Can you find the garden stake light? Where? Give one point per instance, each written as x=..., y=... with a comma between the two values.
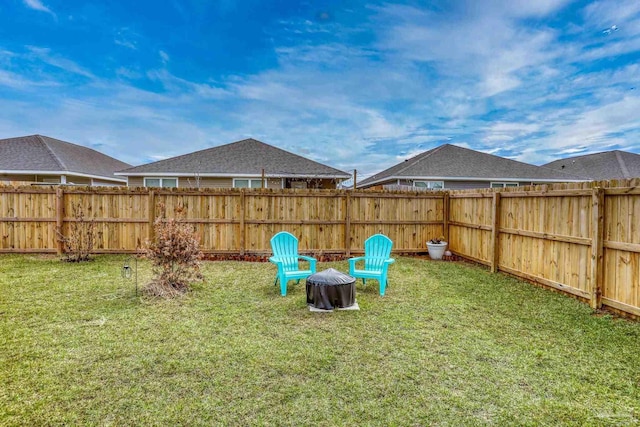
x=127, y=270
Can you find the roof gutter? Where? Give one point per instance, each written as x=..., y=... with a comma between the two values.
x=84, y=175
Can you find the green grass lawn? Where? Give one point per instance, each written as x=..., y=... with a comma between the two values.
x=450, y=344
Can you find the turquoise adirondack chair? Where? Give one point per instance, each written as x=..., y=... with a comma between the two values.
x=377, y=258
x=285, y=255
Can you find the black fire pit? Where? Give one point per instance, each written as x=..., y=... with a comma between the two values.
x=331, y=289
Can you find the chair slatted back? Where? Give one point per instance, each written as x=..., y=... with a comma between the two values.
x=285, y=246
x=377, y=249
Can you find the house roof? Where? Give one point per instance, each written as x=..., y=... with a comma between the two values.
x=456, y=163
x=37, y=154
x=242, y=158
x=614, y=164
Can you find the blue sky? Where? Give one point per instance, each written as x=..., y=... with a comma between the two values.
x=356, y=85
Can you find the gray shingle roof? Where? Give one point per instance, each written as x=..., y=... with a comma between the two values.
x=453, y=162
x=601, y=166
x=248, y=156
x=37, y=153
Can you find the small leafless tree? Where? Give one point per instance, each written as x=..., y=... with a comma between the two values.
x=78, y=244
x=175, y=255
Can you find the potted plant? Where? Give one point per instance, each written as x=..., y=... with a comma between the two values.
x=436, y=247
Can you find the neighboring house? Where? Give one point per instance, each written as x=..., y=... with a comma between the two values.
x=43, y=160
x=452, y=167
x=241, y=164
x=601, y=166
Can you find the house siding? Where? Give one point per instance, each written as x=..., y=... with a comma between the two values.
x=136, y=181
x=105, y=183
x=17, y=179
x=205, y=182
x=209, y=182
x=466, y=185
x=311, y=183
x=328, y=184
x=5, y=178
x=45, y=178
x=274, y=183
x=448, y=184
x=78, y=180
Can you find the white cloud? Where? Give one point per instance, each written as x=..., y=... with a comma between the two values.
x=125, y=43
x=527, y=8
x=164, y=56
x=126, y=37
x=604, y=14
x=490, y=46
x=584, y=131
x=19, y=82
x=598, y=125
x=178, y=85
x=496, y=83
x=573, y=150
x=509, y=131
x=45, y=55
x=128, y=73
x=37, y=5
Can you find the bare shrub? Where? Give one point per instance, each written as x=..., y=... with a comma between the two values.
x=78, y=245
x=175, y=255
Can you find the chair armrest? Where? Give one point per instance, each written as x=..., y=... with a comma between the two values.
x=352, y=263
x=389, y=261
x=275, y=260
x=312, y=262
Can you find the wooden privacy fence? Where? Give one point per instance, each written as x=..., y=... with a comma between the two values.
x=582, y=239
x=238, y=221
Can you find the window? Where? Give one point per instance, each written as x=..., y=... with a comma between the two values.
x=248, y=183
x=431, y=185
x=161, y=182
x=503, y=184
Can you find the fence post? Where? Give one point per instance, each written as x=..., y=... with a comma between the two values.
x=445, y=217
x=59, y=219
x=347, y=225
x=495, y=229
x=151, y=208
x=242, y=230
x=597, y=247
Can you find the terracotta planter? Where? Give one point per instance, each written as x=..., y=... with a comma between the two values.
x=436, y=250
